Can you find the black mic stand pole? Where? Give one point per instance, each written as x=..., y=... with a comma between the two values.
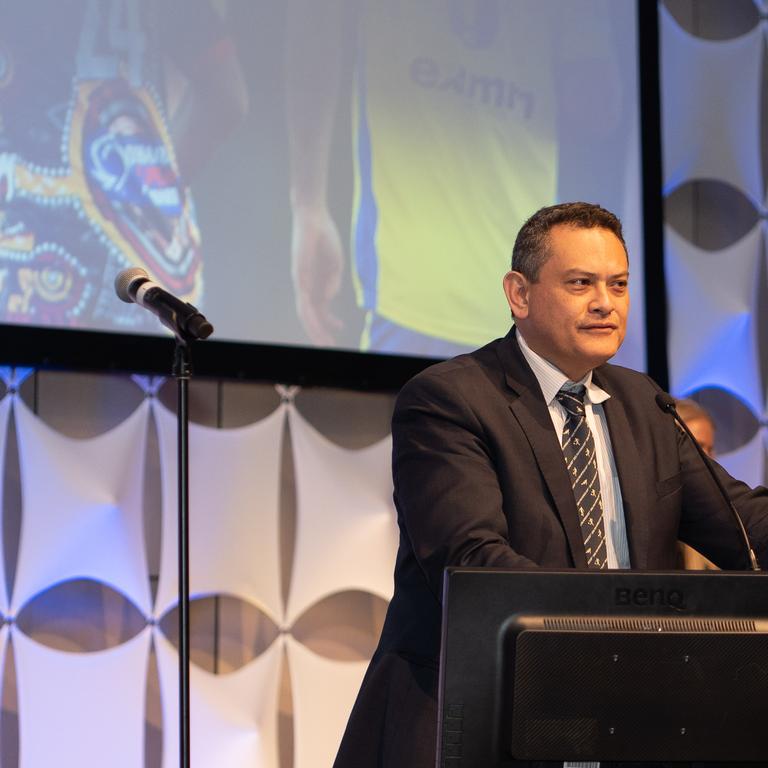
x=187, y=324
x=667, y=404
x=182, y=372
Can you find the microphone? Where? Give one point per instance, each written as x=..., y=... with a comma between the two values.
x=187, y=322
x=667, y=404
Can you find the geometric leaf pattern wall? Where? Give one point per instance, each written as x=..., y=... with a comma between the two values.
x=709, y=315
x=340, y=491
x=713, y=64
x=233, y=717
x=233, y=511
x=313, y=677
x=711, y=117
x=81, y=708
x=82, y=520
x=81, y=515
x=5, y=407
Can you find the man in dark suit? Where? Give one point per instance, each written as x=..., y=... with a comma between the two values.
x=533, y=452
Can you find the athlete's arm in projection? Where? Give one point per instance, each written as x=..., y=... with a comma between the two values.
x=209, y=94
x=317, y=33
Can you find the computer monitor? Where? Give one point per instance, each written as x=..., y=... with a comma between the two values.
x=592, y=666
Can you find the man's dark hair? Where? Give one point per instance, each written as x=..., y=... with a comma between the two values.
x=530, y=250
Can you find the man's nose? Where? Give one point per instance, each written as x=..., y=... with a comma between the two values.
x=601, y=301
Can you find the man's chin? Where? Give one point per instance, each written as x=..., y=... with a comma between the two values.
x=597, y=354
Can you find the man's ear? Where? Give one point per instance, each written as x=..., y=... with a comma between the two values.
x=516, y=290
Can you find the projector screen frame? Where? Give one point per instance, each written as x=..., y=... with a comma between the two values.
x=96, y=351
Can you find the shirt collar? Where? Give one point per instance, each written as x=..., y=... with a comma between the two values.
x=551, y=379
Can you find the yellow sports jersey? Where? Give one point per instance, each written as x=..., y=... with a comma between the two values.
x=455, y=147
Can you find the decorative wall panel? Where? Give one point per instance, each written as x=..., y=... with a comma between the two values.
x=323, y=694
x=82, y=508
x=4, y=632
x=234, y=541
x=713, y=89
x=81, y=710
x=711, y=109
x=5, y=408
x=712, y=333
x=81, y=518
x=233, y=716
x=346, y=534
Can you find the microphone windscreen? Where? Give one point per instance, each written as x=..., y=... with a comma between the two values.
x=666, y=402
x=124, y=279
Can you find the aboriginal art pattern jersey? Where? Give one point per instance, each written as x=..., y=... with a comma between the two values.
x=455, y=147
x=89, y=183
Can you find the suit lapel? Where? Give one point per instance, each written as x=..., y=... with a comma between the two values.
x=630, y=473
x=531, y=412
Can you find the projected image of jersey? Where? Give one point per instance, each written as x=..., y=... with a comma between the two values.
x=455, y=146
x=89, y=178
x=461, y=115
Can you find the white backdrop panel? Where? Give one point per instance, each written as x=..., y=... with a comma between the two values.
x=5, y=407
x=712, y=334
x=233, y=516
x=346, y=535
x=711, y=107
x=323, y=694
x=82, y=508
x=233, y=717
x=81, y=710
x=3, y=648
x=763, y=5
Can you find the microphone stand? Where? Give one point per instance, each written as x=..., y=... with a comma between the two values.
x=133, y=285
x=667, y=404
x=182, y=372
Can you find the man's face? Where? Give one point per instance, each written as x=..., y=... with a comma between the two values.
x=575, y=314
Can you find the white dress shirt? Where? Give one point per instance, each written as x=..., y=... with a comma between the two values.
x=551, y=380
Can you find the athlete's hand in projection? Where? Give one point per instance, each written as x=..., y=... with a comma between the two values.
x=317, y=262
x=319, y=38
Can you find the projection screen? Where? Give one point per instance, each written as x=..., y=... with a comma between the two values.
x=345, y=174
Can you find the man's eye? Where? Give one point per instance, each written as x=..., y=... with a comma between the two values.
x=580, y=281
x=621, y=285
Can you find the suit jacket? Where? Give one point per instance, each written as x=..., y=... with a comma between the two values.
x=480, y=480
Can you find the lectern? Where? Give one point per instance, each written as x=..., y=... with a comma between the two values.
x=602, y=666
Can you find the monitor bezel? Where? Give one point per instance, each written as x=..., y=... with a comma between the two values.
x=480, y=604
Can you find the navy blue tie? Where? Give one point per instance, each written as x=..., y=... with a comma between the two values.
x=579, y=452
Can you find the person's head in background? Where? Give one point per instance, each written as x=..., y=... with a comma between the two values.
x=699, y=422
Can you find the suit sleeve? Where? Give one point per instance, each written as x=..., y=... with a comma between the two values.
x=705, y=521
x=707, y=524
x=446, y=484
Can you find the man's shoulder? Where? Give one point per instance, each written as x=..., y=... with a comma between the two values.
x=468, y=376
x=480, y=362
x=636, y=390
x=622, y=376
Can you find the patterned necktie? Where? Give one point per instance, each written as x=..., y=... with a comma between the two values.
x=579, y=453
